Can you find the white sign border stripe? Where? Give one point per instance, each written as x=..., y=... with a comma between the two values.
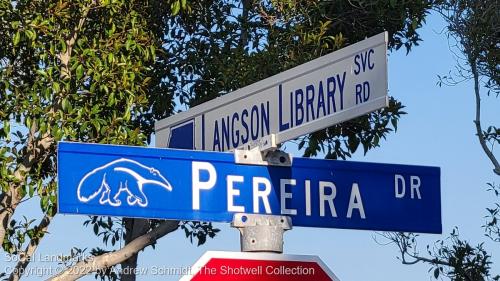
x=207, y=256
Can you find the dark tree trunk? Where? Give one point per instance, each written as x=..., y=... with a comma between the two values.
x=133, y=229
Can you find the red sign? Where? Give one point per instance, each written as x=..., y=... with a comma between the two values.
x=238, y=266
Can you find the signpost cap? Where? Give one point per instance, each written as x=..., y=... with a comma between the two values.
x=261, y=233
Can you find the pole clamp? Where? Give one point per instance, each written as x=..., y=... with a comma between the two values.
x=264, y=153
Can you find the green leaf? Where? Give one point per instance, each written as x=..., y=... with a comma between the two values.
x=43, y=202
x=15, y=24
x=43, y=127
x=376, y=140
x=126, y=117
x=127, y=44
x=22, y=192
x=31, y=34
x=436, y=273
x=31, y=190
x=96, y=125
x=56, y=87
x=42, y=72
x=111, y=99
x=63, y=45
x=79, y=72
x=176, y=7
x=353, y=143
x=57, y=132
x=110, y=58
x=17, y=38
x=6, y=127
x=65, y=104
x=153, y=51
x=414, y=23
x=394, y=122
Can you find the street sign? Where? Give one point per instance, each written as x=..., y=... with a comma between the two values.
x=240, y=266
x=208, y=186
x=326, y=91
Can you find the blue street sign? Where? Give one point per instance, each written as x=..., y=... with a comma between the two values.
x=208, y=186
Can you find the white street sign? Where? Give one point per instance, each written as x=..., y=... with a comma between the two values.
x=328, y=90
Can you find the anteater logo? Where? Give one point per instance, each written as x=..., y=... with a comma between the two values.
x=116, y=177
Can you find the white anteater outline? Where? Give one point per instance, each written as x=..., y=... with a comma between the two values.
x=121, y=168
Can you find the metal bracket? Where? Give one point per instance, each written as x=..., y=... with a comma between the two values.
x=261, y=233
x=266, y=154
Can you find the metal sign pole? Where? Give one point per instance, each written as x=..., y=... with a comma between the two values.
x=262, y=233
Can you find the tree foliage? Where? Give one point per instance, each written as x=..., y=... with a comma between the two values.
x=76, y=71
x=453, y=257
x=225, y=45
x=473, y=30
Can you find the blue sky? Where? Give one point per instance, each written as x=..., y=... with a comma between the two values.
x=438, y=131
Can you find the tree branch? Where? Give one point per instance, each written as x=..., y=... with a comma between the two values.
x=436, y=261
x=26, y=256
x=70, y=42
x=10, y=199
x=405, y=242
x=477, y=121
x=8, y=202
x=423, y=259
x=244, y=23
x=94, y=264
